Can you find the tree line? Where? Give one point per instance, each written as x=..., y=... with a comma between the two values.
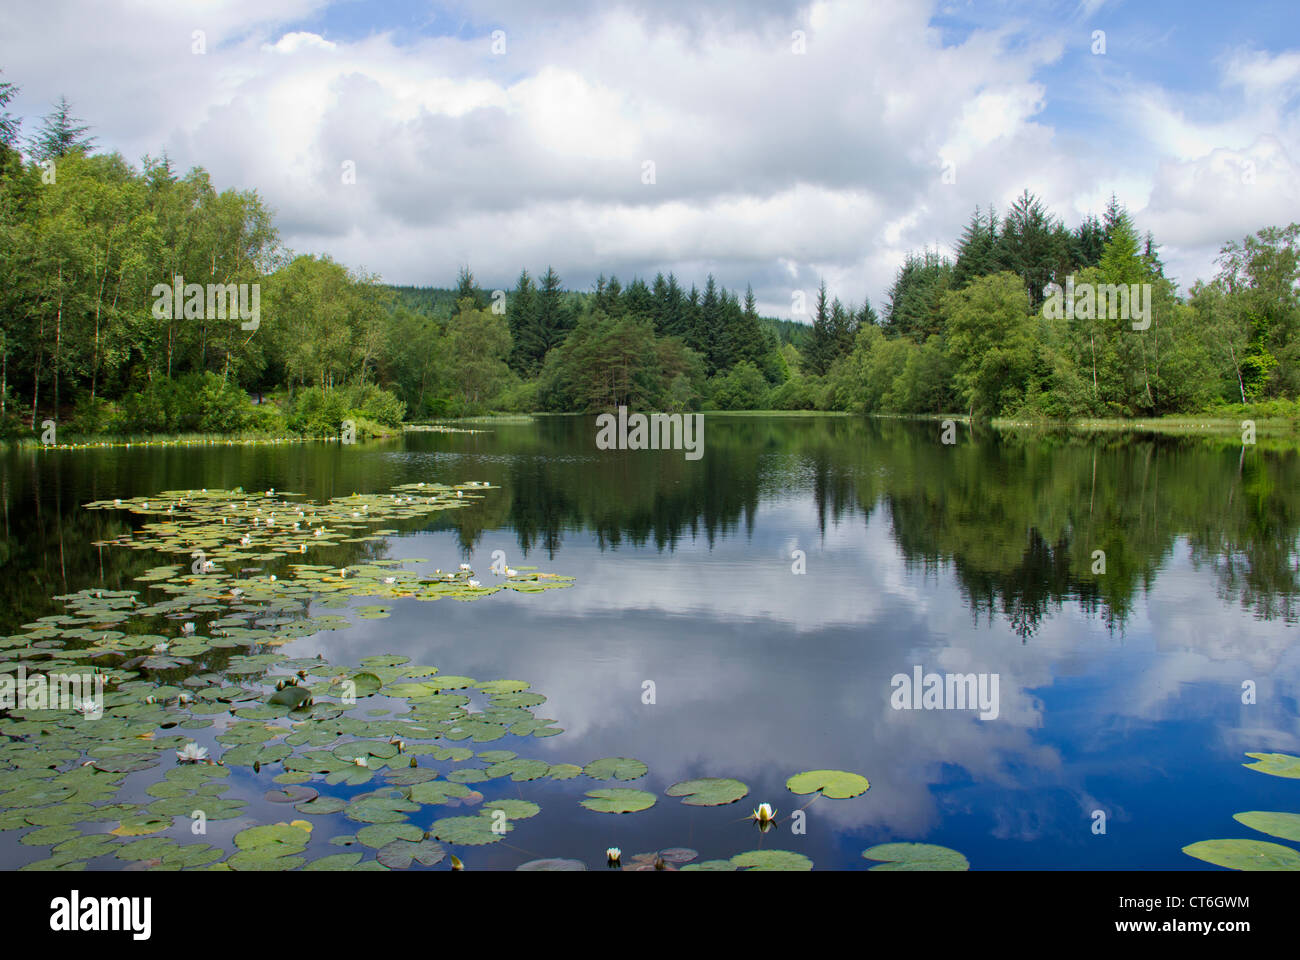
x=86, y=239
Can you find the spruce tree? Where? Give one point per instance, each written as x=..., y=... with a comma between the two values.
x=60, y=134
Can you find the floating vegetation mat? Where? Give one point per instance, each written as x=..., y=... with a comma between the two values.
x=102, y=708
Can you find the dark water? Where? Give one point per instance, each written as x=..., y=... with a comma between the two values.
x=1119, y=692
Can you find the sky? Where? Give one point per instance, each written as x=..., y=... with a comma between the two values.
x=770, y=143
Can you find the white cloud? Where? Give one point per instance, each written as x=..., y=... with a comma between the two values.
x=771, y=167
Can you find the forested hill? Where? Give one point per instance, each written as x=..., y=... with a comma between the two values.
x=97, y=334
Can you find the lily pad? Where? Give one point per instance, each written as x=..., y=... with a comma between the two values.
x=615, y=768
x=1245, y=854
x=771, y=860
x=618, y=800
x=552, y=865
x=470, y=831
x=1284, y=825
x=916, y=856
x=708, y=791
x=836, y=784
x=1275, y=764
x=400, y=854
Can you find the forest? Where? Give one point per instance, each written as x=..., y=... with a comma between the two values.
x=86, y=237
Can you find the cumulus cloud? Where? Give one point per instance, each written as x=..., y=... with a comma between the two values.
x=771, y=166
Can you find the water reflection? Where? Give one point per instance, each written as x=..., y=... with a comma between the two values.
x=1120, y=691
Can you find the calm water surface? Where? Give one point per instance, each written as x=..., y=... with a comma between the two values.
x=1119, y=692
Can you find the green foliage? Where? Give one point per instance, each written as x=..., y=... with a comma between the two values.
x=84, y=338
x=742, y=388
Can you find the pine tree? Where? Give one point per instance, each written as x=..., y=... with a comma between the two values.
x=640, y=301
x=550, y=321
x=467, y=290
x=60, y=134
x=709, y=333
x=1115, y=215
x=841, y=330
x=821, y=348
x=522, y=315
x=1151, y=255
x=1031, y=246
x=1087, y=242
x=9, y=124
x=977, y=250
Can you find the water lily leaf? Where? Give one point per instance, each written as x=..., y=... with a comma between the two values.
x=712, y=865
x=292, y=794
x=708, y=791
x=400, y=854
x=380, y=835
x=291, y=696
x=771, y=860
x=513, y=809
x=553, y=865
x=46, y=836
x=618, y=800
x=438, y=791
x=519, y=769
x=363, y=684
x=468, y=775
x=615, y=768
x=564, y=771
x=321, y=806
x=140, y=826
x=1275, y=764
x=87, y=847
x=1284, y=825
x=1245, y=854
x=836, y=784
x=380, y=809
x=191, y=855
x=916, y=856
x=274, y=835
x=470, y=831
x=335, y=861
x=148, y=849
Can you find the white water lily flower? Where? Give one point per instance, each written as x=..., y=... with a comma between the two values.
x=764, y=813
x=361, y=762
x=464, y=566
x=613, y=854
x=86, y=707
x=475, y=583
x=510, y=572
x=191, y=753
x=245, y=540
x=161, y=647
x=187, y=628
x=390, y=579
x=460, y=493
